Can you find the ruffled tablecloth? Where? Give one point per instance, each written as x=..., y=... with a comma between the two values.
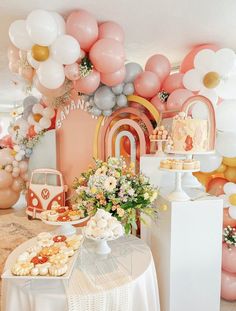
x=124, y=280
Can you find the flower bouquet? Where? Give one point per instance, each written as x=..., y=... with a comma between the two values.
x=115, y=187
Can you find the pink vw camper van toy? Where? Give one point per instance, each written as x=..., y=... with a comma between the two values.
x=46, y=188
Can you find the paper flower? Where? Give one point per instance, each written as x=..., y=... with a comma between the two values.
x=18, y=129
x=41, y=117
x=212, y=75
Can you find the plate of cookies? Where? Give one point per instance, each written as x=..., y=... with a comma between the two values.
x=47, y=256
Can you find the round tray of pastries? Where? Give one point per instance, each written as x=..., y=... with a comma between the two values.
x=180, y=165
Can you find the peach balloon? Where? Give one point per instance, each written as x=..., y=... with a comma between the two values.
x=113, y=78
x=160, y=106
x=111, y=30
x=228, y=258
x=48, y=92
x=17, y=184
x=8, y=168
x=8, y=198
x=216, y=186
x=229, y=161
x=177, y=98
x=13, y=53
x=173, y=82
x=27, y=73
x=72, y=71
x=227, y=220
x=230, y=174
x=23, y=166
x=82, y=26
x=107, y=55
x=5, y=179
x=147, y=84
x=25, y=176
x=14, y=66
x=228, y=286
x=160, y=65
x=82, y=55
x=6, y=156
x=88, y=84
x=188, y=61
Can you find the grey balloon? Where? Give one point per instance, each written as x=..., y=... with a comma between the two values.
x=104, y=99
x=121, y=100
x=128, y=89
x=107, y=113
x=30, y=101
x=27, y=111
x=95, y=111
x=132, y=70
x=118, y=89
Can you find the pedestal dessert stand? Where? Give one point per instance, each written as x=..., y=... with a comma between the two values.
x=65, y=227
x=101, y=245
x=178, y=194
x=160, y=142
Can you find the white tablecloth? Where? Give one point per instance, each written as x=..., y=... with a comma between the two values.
x=123, y=281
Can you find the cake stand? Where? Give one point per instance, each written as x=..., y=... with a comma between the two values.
x=101, y=245
x=65, y=227
x=178, y=194
x=160, y=142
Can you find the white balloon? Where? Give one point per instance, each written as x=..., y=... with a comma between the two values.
x=226, y=116
x=45, y=123
x=205, y=60
x=19, y=36
x=65, y=50
x=225, y=59
x=200, y=111
x=229, y=188
x=192, y=80
x=51, y=74
x=61, y=25
x=33, y=62
x=38, y=108
x=225, y=144
x=210, y=162
x=41, y=27
x=49, y=112
x=232, y=212
x=226, y=89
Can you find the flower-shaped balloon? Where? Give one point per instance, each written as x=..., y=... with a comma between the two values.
x=18, y=153
x=212, y=75
x=18, y=129
x=41, y=117
x=42, y=34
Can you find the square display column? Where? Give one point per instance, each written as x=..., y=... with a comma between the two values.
x=186, y=242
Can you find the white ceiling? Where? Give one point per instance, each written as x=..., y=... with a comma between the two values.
x=169, y=27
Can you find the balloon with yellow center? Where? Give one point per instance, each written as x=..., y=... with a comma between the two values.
x=37, y=117
x=232, y=199
x=211, y=80
x=40, y=53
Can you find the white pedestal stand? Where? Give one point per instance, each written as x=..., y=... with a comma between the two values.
x=190, y=181
x=186, y=244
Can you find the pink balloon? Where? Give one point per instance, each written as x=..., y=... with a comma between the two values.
x=160, y=65
x=72, y=71
x=24, y=176
x=88, y=84
x=14, y=66
x=82, y=55
x=8, y=168
x=48, y=92
x=6, y=141
x=137, y=106
x=160, y=106
x=82, y=26
x=228, y=221
x=13, y=53
x=23, y=166
x=177, y=98
x=107, y=55
x=27, y=73
x=6, y=156
x=111, y=30
x=173, y=82
x=8, y=197
x=17, y=184
x=228, y=286
x=147, y=84
x=5, y=179
x=187, y=62
x=229, y=258
x=114, y=78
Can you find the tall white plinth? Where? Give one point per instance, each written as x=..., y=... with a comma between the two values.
x=186, y=244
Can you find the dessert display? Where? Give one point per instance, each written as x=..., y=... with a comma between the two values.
x=179, y=164
x=103, y=226
x=62, y=214
x=159, y=133
x=188, y=135
x=49, y=258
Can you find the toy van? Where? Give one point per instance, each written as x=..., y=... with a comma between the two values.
x=46, y=187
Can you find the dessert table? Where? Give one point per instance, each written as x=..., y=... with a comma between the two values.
x=121, y=281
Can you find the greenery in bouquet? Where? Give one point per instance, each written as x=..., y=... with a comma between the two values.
x=229, y=236
x=115, y=187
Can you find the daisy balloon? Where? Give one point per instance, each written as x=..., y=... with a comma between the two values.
x=41, y=117
x=213, y=74
x=18, y=129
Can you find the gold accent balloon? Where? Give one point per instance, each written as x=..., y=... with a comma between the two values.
x=211, y=80
x=40, y=53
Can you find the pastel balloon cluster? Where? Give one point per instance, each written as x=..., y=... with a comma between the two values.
x=106, y=99
x=13, y=175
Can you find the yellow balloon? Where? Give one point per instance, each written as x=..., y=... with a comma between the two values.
x=211, y=80
x=232, y=199
x=40, y=53
x=37, y=117
x=221, y=169
x=230, y=174
x=229, y=161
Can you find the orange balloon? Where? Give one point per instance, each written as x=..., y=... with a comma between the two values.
x=221, y=169
x=230, y=174
x=8, y=198
x=31, y=131
x=229, y=161
x=203, y=178
x=215, y=186
x=227, y=220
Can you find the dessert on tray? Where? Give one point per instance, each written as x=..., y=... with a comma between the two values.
x=50, y=260
x=179, y=164
x=159, y=133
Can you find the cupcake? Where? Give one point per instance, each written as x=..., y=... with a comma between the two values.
x=165, y=164
x=189, y=165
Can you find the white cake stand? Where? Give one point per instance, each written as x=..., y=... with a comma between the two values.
x=101, y=245
x=178, y=194
x=65, y=227
x=159, y=151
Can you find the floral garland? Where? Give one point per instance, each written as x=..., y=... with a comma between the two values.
x=229, y=236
